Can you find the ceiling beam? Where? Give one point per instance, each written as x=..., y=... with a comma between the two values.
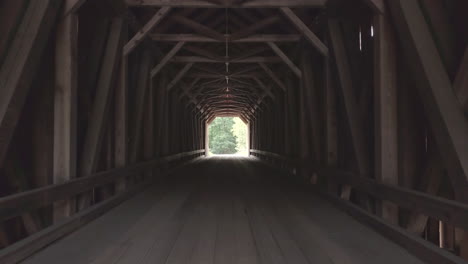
x=141, y=34
x=265, y=88
x=250, y=30
x=179, y=76
x=244, y=4
x=376, y=5
x=205, y=53
x=249, y=53
x=285, y=58
x=258, y=38
x=71, y=6
x=167, y=58
x=199, y=28
x=272, y=76
x=197, y=59
x=304, y=29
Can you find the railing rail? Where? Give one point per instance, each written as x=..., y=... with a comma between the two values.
x=448, y=211
x=17, y=204
x=14, y=205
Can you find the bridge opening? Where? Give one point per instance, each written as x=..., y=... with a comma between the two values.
x=228, y=136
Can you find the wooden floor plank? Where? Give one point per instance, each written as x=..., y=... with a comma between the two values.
x=225, y=210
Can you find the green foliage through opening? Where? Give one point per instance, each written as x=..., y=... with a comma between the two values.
x=227, y=135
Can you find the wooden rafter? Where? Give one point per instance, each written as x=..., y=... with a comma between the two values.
x=350, y=104
x=265, y=88
x=197, y=59
x=203, y=39
x=199, y=28
x=245, y=4
x=445, y=115
x=245, y=32
x=304, y=29
x=100, y=109
x=17, y=70
x=141, y=34
x=377, y=5
x=71, y=6
x=285, y=58
x=273, y=76
x=166, y=58
x=179, y=76
x=461, y=82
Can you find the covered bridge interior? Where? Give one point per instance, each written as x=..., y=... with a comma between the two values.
x=358, y=131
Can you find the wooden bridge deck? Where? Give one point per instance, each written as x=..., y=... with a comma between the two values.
x=224, y=210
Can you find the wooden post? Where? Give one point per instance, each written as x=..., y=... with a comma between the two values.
x=165, y=150
x=331, y=122
x=160, y=106
x=312, y=105
x=121, y=117
x=20, y=64
x=446, y=117
x=140, y=99
x=386, y=112
x=65, y=112
x=350, y=104
x=100, y=109
x=148, y=127
x=292, y=114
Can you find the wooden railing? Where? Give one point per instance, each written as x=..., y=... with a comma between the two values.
x=15, y=205
x=445, y=210
x=279, y=160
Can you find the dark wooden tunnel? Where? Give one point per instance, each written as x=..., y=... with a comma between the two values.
x=357, y=116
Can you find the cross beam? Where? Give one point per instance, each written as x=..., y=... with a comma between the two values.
x=243, y=4
x=258, y=38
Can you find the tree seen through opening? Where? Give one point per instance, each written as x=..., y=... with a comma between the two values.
x=227, y=135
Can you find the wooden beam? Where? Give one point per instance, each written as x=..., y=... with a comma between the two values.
x=142, y=86
x=197, y=59
x=92, y=142
x=44, y=196
x=148, y=125
x=378, y=6
x=272, y=76
x=285, y=58
x=149, y=26
x=65, y=111
x=386, y=112
x=331, y=116
x=424, y=250
x=245, y=4
x=167, y=58
x=349, y=99
x=461, y=82
x=202, y=39
x=160, y=104
x=199, y=28
x=310, y=108
x=179, y=76
x=304, y=29
x=250, y=30
x=446, y=117
x=121, y=117
x=441, y=24
x=20, y=64
x=265, y=88
x=249, y=53
x=203, y=52
x=72, y=6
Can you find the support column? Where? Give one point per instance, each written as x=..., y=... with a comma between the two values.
x=65, y=111
x=121, y=117
x=386, y=112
